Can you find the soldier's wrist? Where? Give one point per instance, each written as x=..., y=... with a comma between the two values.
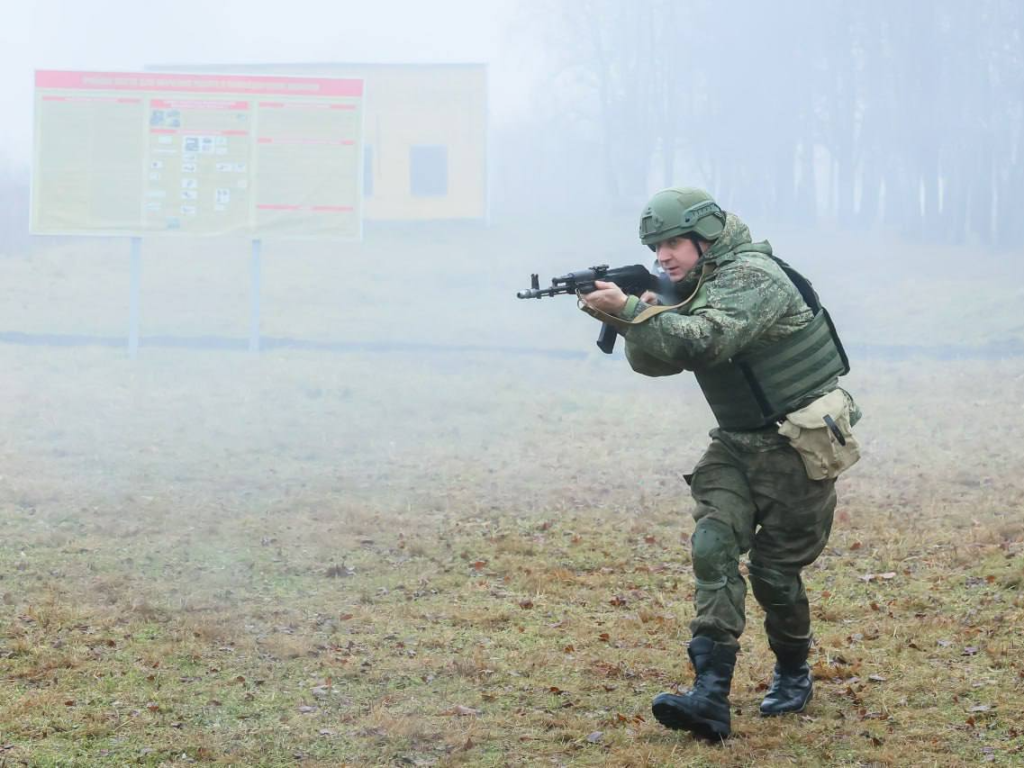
x=632, y=308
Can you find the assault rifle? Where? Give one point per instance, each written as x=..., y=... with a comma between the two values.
x=633, y=281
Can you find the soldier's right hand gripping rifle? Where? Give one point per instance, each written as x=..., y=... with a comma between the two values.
x=633, y=280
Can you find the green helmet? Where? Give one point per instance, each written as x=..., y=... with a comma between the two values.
x=680, y=211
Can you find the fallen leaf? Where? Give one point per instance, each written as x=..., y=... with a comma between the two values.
x=980, y=708
x=595, y=737
x=526, y=604
x=876, y=678
x=888, y=575
x=856, y=545
x=874, y=739
x=461, y=711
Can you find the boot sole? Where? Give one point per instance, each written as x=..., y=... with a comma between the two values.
x=677, y=720
x=789, y=711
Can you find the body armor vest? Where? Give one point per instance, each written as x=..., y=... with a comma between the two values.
x=756, y=389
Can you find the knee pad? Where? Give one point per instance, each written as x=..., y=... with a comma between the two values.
x=774, y=587
x=714, y=549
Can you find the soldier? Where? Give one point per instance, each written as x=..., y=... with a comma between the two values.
x=767, y=359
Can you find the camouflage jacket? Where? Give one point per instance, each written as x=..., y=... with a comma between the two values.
x=748, y=304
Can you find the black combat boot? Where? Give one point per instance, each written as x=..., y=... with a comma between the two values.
x=704, y=709
x=791, y=687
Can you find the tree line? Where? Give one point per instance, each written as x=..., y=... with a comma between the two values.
x=903, y=115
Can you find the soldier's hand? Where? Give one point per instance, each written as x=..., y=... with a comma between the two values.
x=650, y=297
x=608, y=298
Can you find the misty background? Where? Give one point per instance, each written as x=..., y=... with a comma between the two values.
x=905, y=118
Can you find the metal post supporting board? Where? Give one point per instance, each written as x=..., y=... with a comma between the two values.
x=254, y=297
x=133, y=297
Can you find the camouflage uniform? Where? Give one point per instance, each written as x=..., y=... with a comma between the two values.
x=751, y=490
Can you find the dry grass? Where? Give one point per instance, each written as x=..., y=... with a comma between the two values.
x=471, y=560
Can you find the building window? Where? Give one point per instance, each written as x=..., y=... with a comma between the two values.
x=368, y=171
x=428, y=171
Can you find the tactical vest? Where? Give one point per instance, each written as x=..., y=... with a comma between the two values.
x=756, y=389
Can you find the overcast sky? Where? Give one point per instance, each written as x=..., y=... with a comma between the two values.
x=127, y=35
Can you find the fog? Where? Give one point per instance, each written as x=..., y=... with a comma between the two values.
x=878, y=147
x=904, y=119
x=337, y=490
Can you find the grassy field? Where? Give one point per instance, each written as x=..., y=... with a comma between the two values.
x=461, y=558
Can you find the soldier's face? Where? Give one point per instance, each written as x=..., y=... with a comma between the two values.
x=677, y=257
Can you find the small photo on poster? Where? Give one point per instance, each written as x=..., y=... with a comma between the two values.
x=206, y=145
x=189, y=167
x=188, y=210
x=189, y=194
x=156, y=165
x=223, y=196
x=190, y=143
x=189, y=184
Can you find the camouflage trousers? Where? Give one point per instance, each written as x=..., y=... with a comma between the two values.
x=754, y=496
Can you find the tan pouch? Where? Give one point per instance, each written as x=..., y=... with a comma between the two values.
x=823, y=453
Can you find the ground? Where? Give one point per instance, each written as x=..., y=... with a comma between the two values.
x=458, y=554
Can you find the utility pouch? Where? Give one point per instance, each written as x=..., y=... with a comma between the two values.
x=821, y=434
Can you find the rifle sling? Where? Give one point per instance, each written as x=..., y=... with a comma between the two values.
x=621, y=324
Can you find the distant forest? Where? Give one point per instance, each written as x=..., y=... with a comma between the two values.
x=902, y=115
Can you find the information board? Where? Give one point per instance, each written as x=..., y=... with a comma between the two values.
x=142, y=154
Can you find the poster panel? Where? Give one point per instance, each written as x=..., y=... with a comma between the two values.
x=142, y=154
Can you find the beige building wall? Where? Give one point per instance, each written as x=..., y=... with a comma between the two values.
x=418, y=118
